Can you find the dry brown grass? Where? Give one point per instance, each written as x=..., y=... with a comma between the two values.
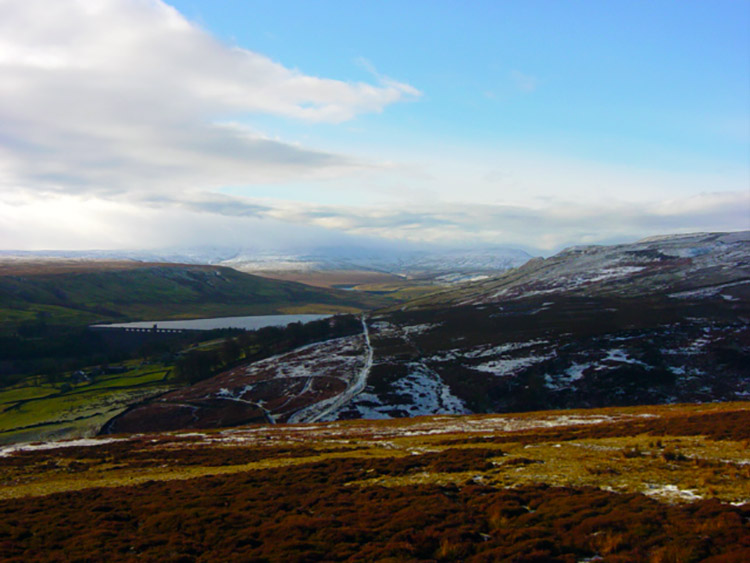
x=385, y=491
x=669, y=468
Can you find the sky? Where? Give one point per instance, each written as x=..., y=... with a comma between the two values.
x=128, y=124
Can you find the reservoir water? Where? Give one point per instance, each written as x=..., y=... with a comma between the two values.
x=246, y=323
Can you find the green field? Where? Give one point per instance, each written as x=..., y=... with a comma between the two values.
x=33, y=410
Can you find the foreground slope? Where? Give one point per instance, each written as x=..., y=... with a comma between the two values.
x=630, y=484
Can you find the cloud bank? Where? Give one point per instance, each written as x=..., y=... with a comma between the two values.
x=121, y=121
x=219, y=220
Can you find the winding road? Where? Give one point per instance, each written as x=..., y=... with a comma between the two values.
x=316, y=412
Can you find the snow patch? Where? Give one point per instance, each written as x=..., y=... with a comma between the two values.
x=618, y=272
x=511, y=366
x=708, y=291
x=83, y=442
x=423, y=392
x=671, y=492
x=619, y=355
x=489, y=351
x=419, y=329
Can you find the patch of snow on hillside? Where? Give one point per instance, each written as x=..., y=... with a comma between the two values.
x=421, y=392
x=563, y=380
x=500, y=349
x=429, y=393
x=671, y=492
x=385, y=329
x=687, y=252
x=706, y=291
x=696, y=346
x=575, y=372
x=294, y=370
x=82, y=442
x=610, y=273
x=619, y=355
x=419, y=329
x=511, y=366
x=446, y=356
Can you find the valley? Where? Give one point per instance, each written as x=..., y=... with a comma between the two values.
x=374, y=282
x=592, y=406
x=657, y=322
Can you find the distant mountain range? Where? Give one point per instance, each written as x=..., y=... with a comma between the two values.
x=447, y=264
x=664, y=320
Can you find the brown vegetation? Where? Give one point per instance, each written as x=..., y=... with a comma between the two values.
x=724, y=425
x=392, y=491
x=308, y=513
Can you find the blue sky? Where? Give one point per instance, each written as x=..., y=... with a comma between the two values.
x=533, y=123
x=645, y=83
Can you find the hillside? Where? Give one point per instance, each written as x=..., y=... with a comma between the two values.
x=709, y=264
x=45, y=308
x=639, y=484
x=70, y=292
x=663, y=321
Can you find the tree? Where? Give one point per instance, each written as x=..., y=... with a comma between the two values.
x=230, y=351
x=196, y=365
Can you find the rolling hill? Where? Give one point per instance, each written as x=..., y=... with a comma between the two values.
x=661, y=321
x=79, y=293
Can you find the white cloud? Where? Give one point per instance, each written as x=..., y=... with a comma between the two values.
x=126, y=96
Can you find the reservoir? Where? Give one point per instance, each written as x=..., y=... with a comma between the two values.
x=246, y=323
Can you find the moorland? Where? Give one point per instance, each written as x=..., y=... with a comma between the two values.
x=651, y=483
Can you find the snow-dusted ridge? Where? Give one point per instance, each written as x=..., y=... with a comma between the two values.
x=675, y=264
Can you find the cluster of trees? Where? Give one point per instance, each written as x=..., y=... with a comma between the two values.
x=197, y=365
x=50, y=351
